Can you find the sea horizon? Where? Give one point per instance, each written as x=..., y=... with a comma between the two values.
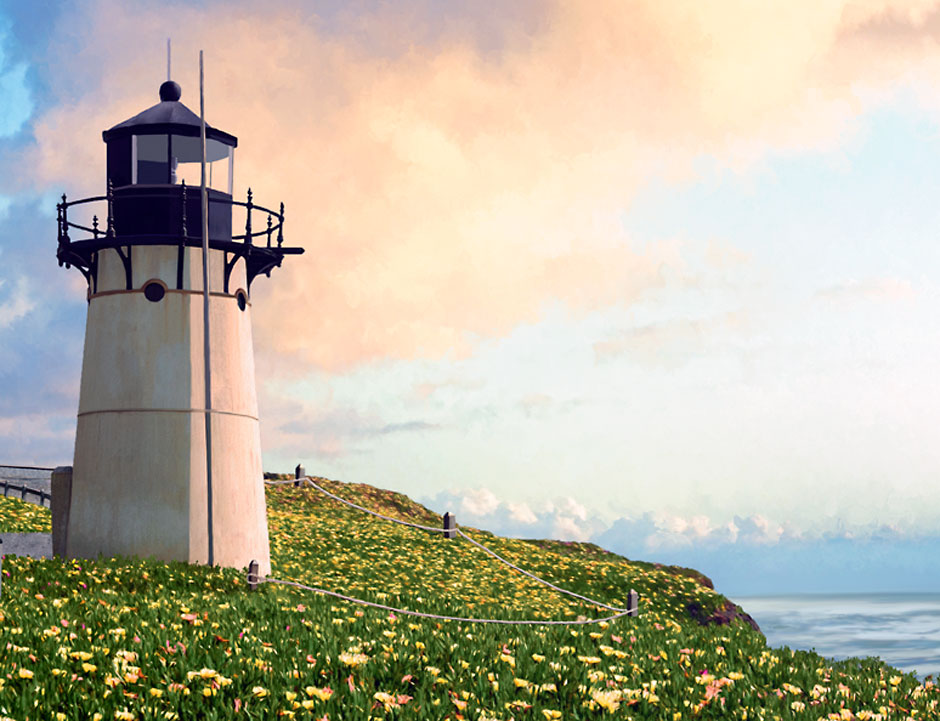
x=902, y=628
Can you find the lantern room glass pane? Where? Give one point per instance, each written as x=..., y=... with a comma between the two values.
x=150, y=159
x=186, y=157
x=163, y=159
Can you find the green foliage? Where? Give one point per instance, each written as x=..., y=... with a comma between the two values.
x=140, y=639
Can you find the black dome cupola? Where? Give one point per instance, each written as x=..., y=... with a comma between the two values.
x=170, y=91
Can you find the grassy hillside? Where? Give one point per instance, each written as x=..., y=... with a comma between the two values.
x=126, y=638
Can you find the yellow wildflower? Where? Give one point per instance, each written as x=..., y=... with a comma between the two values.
x=353, y=659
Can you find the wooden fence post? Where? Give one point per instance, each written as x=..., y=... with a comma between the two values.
x=299, y=473
x=252, y=575
x=450, y=525
x=633, y=603
x=59, y=504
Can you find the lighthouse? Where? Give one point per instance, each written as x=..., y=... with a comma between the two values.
x=141, y=484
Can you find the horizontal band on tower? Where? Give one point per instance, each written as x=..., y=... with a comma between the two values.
x=233, y=296
x=168, y=410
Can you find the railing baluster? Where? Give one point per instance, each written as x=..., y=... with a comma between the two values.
x=280, y=228
x=269, y=230
x=110, y=232
x=183, y=214
x=94, y=226
x=248, y=219
x=65, y=220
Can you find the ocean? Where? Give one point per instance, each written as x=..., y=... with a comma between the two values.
x=901, y=629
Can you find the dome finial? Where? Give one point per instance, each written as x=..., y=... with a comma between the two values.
x=170, y=91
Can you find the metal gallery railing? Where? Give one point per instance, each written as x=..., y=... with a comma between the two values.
x=272, y=226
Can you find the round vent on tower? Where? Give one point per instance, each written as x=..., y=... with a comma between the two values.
x=154, y=290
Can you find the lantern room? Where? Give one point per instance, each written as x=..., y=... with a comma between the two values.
x=154, y=177
x=160, y=146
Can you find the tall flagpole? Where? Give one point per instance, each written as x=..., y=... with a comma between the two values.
x=205, y=308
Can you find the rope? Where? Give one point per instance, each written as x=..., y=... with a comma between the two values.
x=540, y=580
x=252, y=578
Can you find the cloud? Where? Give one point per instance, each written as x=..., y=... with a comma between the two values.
x=449, y=179
x=522, y=513
x=328, y=432
x=540, y=405
x=646, y=535
x=43, y=438
x=868, y=289
x=17, y=304
x=745, y=555
x=479, y=502
x=562, y=518
x=426, y=389
x=17, y=105
x=670, y=343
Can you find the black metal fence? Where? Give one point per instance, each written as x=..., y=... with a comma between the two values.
x=45, y=499
x=29, y=483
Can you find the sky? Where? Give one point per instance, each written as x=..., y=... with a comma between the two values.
x=660, y=276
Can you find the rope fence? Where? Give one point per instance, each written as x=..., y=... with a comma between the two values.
x=449, y=529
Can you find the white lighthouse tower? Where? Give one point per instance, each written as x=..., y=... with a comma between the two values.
x=140, y=474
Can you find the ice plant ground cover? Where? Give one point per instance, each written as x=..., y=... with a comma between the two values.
x=141, y=639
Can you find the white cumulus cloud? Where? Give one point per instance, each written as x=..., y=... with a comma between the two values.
x=16, y=305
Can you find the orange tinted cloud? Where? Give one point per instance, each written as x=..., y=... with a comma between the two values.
x=446, y=191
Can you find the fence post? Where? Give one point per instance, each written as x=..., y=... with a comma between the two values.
x=450, y=525
x=252, y=575
x=633, y=603
x=59, y=504
x=299, y=473
x=23, y=493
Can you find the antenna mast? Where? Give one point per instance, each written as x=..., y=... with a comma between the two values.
x=168, y=59
x=205, y=310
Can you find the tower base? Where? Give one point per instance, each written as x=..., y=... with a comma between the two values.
x=130, y=498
